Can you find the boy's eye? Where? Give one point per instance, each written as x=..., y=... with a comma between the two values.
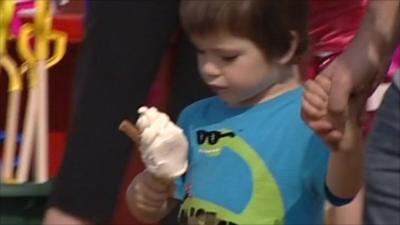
x=229, y=58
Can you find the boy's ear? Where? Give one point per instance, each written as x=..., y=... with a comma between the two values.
x=290, y=54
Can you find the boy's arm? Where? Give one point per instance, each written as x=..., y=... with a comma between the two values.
x=345, y=167
x=345, y=162
x=344, y=178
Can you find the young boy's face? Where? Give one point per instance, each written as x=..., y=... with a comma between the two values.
x=235, y=68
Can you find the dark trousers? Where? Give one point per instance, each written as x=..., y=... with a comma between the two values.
x=124, y=43
x=382, y=169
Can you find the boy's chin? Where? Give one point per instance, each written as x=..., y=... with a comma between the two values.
x=232, y=102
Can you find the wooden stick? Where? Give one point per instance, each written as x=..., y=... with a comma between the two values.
x=26, y=150
x=134, y=133
x=130, y=130
x=9, y=149
x=41, y=156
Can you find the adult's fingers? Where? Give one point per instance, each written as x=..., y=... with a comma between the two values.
x=356, y=110
x=320, y=126
x=331, y=137
x=324, y=82
x=341, y=88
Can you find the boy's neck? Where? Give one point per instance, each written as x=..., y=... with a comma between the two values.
x=281, y=88
x=276, y=89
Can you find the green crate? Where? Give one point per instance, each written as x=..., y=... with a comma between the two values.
x=23, y=204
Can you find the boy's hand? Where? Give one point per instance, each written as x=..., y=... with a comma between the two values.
x=163, y=145
x=149, y=194
x=314, y=110
x=315, y=113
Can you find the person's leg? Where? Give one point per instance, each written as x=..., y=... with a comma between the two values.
x=382, y=166
x=125, y=41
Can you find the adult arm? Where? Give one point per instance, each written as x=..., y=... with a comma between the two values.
x=365, y=61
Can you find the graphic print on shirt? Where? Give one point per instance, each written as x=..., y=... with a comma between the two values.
x=200, y=211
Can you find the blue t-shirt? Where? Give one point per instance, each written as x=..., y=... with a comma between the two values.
x=252, y=165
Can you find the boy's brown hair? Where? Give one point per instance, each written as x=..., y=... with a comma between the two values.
x=268, y=23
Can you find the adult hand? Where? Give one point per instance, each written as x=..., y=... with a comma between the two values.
x=364, y=63
x=355, y=73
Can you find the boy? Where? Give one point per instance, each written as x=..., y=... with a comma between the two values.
x=252, y=160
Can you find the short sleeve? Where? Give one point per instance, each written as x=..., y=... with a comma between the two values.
x=187, y=120
x=179, y=181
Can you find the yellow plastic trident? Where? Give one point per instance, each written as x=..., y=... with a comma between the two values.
x=37, y=60
x=6, y=14
x=14, y=90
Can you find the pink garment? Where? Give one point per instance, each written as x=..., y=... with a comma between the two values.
x=17, y=22
x=333, y=23
x=395, y=65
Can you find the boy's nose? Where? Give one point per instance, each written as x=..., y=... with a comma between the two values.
x=210, y=69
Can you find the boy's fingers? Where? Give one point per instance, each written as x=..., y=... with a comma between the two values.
x=326, y=131
x=145, y=195
x=309, y=112
x=145, y=207
x=313, y=87
x=315, y=100
x=154, y=197
x=171, y=190
x=153, y=183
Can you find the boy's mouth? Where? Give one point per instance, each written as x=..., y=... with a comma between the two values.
x=217, y=88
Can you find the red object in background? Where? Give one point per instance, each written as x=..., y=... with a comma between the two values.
x=71, y=24
x=60, y=83
x=56, y=144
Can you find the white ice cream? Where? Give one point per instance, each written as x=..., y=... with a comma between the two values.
x=164, y=147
